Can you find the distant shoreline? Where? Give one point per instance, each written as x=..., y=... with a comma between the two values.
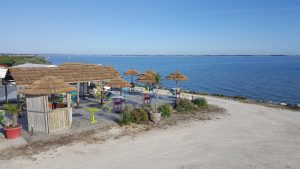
x=150, y=55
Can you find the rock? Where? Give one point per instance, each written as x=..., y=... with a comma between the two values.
x=155, y=117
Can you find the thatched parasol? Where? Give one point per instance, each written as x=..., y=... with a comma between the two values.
x=131, y=72
x=177, y=76
x=118, y=83
x=48, y=85
x=148, y=77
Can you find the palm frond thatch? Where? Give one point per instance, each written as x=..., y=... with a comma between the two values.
x=147, y=77
x=177, y=76
x=131, y=72
x=118, y=83
x=48, y=85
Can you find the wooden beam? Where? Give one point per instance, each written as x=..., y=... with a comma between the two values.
x=78, y=92
x=69, y=108
x=6, y=97
x=45, y=101
x=18, y=95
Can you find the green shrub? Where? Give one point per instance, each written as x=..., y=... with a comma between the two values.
x=200, y=102
x=139, y=116
x=2, y=113
x=135, y=115
x=184, y=104
x=126, y=118
x=165, y=110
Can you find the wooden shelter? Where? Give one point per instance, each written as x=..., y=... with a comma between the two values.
x=44, y=115
x=73, y=73
x=70, y=73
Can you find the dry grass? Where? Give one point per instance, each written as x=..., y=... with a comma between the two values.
x=70, y=73
x=48, y=85
x=200, y=114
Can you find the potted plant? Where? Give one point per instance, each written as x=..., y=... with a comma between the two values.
x=14, y=130
x=155, y=115
x=100, y=93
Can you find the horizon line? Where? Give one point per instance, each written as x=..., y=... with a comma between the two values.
x=150, y=54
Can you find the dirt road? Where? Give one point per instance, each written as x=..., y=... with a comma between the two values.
x=250, y=136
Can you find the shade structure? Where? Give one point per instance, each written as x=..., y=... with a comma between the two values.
x=131, y=72
x=147, y=77
x=69, y=72
x=177, y=76
x=48, y=85
x=118, y=83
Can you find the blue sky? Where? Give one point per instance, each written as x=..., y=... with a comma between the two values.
x=150, y=26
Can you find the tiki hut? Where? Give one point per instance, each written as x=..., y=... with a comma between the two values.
x=131, y=72
x=78, y=74
x=44, y=114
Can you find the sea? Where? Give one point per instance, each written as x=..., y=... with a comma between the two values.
x=262, y=78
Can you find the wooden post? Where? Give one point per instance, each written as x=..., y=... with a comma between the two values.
x=46, y=109
x=78, y=91
x=18, y=95
x=69, y=108
x=6, y=97
x=83, y=90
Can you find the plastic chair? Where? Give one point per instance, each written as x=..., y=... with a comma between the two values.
x=147, y=99
x=117, y=104
x=107, y=105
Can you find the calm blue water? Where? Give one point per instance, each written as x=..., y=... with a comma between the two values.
x=274, y=78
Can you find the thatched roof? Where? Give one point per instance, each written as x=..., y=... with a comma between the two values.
x=118, y=83
x=48, y=85
x=69, y=73
x=131, y=72
x=178, y=76
x=147, y=77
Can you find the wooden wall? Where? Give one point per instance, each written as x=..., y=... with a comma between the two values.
x=36, y=116
x=58, y=120
x=44, y=120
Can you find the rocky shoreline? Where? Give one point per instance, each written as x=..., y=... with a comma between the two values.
x=295, y=107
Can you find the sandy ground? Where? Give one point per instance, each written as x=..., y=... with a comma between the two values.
x=249, y=136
